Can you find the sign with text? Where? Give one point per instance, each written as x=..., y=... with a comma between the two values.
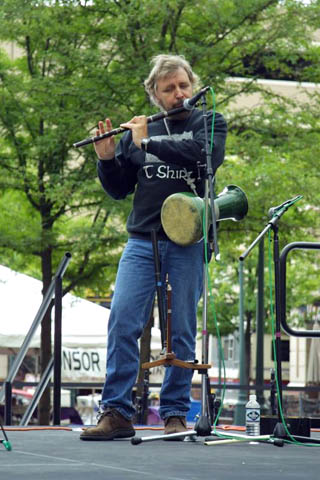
x=85, y=364
x=89, y=365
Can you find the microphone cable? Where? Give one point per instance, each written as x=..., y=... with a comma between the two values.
x=211, y=298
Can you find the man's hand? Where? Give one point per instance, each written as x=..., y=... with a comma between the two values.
x=105, y=148
x=139, y=128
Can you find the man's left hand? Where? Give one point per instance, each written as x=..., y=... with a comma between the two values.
x=139, y=128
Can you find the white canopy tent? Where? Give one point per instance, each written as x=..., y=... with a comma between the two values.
x=83, y=323
x=84, y=326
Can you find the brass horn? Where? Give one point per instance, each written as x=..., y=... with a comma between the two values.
x=182, y=213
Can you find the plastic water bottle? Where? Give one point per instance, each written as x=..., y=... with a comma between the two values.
x=253, y=416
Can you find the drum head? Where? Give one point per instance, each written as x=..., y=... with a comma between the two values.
x=181, y=218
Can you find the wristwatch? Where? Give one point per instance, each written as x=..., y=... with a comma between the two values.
x=144, y=144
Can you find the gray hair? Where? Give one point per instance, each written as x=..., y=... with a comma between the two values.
x=164, y=65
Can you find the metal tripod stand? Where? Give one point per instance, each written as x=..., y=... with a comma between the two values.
x=204, y=422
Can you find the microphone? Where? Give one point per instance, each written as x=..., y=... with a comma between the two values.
x=272, y=211
x=190, y=103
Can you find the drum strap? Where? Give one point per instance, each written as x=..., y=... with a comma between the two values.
x=190, y=181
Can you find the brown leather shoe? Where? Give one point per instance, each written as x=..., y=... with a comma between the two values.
x=175, y=425
x=110, y=425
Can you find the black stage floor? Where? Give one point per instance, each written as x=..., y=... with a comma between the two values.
x=57, y=453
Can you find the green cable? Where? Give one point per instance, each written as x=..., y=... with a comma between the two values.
x=209, y=281
x=210, y=287
x=293, y=440
x=209, y=284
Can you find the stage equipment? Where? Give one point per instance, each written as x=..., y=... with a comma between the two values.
x=5, y=441
x=245, y=439
x=220, y=438
x=159, y=286
x=182, y=213
x=281, y=429
x=188, y=105
x=293, y=433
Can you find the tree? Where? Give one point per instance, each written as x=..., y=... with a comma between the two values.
x=55, y=202
x=272, y=159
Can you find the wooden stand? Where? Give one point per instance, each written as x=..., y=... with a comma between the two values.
x=168, y=358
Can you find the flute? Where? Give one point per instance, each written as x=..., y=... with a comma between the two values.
x=188, y=104
x=116, y=131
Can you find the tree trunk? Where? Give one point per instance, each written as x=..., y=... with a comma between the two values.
x=44, y=407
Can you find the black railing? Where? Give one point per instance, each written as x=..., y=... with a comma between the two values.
x=54, y=290
x=283, y=299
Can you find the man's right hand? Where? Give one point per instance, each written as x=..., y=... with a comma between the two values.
x=105, y=148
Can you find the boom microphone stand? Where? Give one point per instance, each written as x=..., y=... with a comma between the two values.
x=275, y=214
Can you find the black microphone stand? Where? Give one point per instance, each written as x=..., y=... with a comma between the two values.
x=277, y=213
x=203, y=424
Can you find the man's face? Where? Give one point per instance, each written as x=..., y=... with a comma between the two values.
x=173, y=89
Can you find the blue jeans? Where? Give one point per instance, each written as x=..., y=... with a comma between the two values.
x=130, y=310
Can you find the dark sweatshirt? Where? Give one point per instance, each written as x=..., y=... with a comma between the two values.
x=172, y=163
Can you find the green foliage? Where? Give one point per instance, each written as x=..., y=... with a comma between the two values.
x=273, y=156
x=60, y=205
x=82, y=61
